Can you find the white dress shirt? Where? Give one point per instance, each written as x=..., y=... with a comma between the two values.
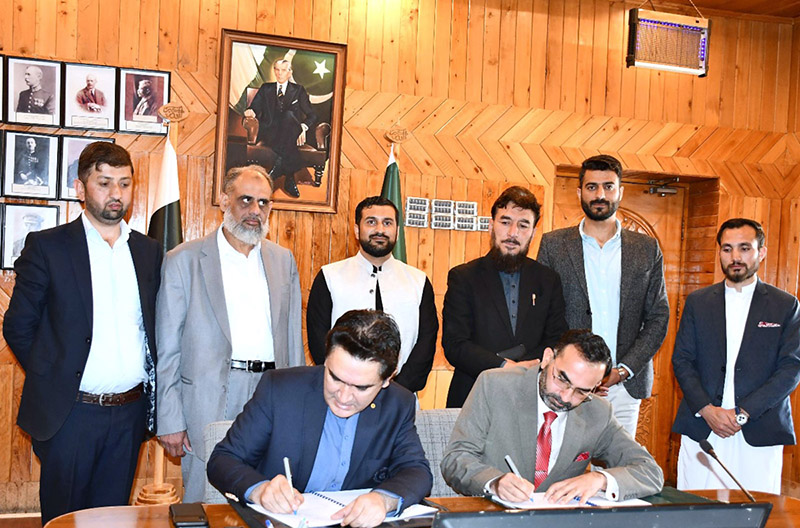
x=117, y=353
x=244, y=282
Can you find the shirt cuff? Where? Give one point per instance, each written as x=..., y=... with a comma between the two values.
x=612, y=487
x=250, y=490
x=304, y=127
x=399, y=508
x=487, y=487
x=626, y=367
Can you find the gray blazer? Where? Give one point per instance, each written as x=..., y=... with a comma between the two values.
x=192, y=327
x=500, y=418
x=643, y=310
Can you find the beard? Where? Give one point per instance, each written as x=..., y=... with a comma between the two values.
x=743, y=274
x=551, y=399
x=242, y=232
x=372, y=249
x=508, y=262
x=611, y=208
x=104, y=213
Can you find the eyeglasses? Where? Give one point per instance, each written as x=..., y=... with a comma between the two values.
x=565, y=385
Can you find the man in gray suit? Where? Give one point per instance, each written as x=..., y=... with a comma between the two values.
x=228, y=310
x=506, y=406
x=625, y=305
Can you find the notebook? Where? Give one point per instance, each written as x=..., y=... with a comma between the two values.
x=539, y=503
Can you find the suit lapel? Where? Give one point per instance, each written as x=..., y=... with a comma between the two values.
x=574, y=249
x=758, y=306
x=211, y=266
x=629, y=253
x=139, y=259
x=273, y=285
x=493, y=289
x=368, y=423
x=528, y=286
x=78, y=250
x=718, y=327
x=528, y=424
x=313, y=421
x=574, y=431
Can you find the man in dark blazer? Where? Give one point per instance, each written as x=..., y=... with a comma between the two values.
x=502, y=309
x=737, y=361
x=342, y=426
x=284, y=116
x=81, y=322
x=626, y=304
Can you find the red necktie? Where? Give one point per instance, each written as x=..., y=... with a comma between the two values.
x=544, y=442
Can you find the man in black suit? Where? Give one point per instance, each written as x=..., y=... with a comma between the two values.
x=81, y=322
x=503, y=309
x=737, y=361
x=284, y=116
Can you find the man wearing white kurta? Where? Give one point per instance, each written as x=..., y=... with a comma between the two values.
x=737, y=360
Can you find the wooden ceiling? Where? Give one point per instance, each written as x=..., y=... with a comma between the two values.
x=778, y=8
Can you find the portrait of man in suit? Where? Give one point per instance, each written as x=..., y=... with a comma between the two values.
x=285, y=116
x=147, y=101
x=506, y=409
x=626, y=305
x=343, y=426
x=32, y=161
x=228, y=311
x=90, y=98
x=737, y=361
x=502, y=309
x=88, y=354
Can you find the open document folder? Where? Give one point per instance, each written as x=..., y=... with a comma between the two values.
x=539, y=503
x=318, y=507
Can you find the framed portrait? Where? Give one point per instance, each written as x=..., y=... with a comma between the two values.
x=71, y=148
x=90, y=96
x=30, y=165
x=33, y=91
x=18, y=221
x=2, y=86
x=142, y=93
x=280, y=106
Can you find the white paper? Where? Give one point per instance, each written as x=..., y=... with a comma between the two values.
x=539, y=503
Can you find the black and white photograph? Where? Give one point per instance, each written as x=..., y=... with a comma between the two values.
x=30, y=165
x=142, y=93
x=18, y=221
x=90, y=96
x=33, y=92
x=2, y=84
x=71, y=148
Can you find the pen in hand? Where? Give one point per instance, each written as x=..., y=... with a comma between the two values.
x=513, y=467
x=287, y=468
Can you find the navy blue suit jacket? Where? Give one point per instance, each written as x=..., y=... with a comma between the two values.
x=285, y=419
x=48, y=324
x=767, y=367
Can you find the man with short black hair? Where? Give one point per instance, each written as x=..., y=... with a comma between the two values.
x=373, y=278
x=503, y=309
x=81, y=322
x=507, y=407
x=342, y=426
x=737, y=361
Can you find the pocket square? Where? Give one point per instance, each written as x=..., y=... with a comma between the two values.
x=583, y=456
x=294, y=102
x=766, y=324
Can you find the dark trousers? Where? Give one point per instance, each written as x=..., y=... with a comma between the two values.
x=91, y=460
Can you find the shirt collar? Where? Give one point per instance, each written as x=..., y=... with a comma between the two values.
x=746, y=290
x=92, y=233
x=617, y=233
x=225, y=247
x=367, y=265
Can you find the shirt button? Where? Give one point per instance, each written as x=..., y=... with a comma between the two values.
x=372, y=291
x=342, y=464
x=78, y=374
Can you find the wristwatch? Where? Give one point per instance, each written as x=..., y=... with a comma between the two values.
x=741, y=415
x=623, y=373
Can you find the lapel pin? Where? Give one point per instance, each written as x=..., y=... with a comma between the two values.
x=533, y=299
x=371, y=405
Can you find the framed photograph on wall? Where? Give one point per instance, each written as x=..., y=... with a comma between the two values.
x=30, y=165
x=90, y=96
x=71, y=148
x=2, y=86
x=280, y=106
x=142, y=93
x=18, y=221
x=33, y=91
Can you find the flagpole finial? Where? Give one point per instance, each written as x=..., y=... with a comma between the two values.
x=173, y=112
x=397, y=134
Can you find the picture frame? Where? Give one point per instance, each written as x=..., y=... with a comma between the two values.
x=90, y=97
x=33, y=91
x=141, y=94
x=30, y=165
x=253, y=127
x=18, y=221
x=71, y=148
x=2, y=87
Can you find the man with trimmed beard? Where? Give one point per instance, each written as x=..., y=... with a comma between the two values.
x=228, y=310
x=737, y=361
x=502, y=309
x=547, y=421
x=374, y=279
x=598, y=289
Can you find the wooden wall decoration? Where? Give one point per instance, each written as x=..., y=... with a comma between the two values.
x=493, y=92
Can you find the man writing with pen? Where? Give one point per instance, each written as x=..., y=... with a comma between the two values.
x=343, y=425
x=546, y=421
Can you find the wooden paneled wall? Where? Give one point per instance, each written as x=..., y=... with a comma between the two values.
x=494, y=92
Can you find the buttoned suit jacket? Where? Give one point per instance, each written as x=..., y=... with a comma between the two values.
x=285, y=418
x=48, y=324
x=643, y=304
x=84, y=97
x=767, y=367
x=297, y=105
x=476, y=324
x=194, y=333
x=500, y=417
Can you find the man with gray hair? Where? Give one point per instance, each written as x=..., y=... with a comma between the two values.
x=35, y=100
x=227, y=311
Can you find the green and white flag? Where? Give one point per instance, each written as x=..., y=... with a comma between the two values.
x=391, y=191
x=165, y=222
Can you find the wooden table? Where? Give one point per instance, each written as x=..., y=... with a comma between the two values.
x=785, y=512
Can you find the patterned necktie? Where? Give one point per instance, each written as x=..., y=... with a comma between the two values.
x=544, y=442
x=280, y=98
x=378, y=299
